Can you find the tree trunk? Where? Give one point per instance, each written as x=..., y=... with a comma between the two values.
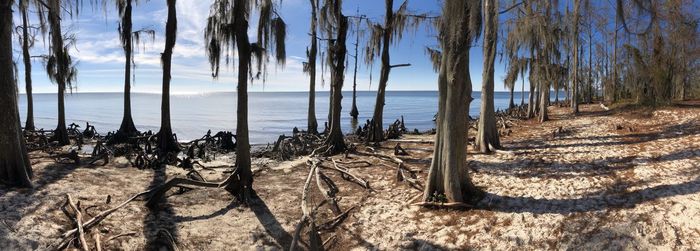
x=335, y=140
x=127, y=128
x=487, y=136
x=522, y=90
x=574, y=89
x=448, y=179
x=166, y=140
x=511, y=103
x=590, y=65
x=531, y=98
x=544, y=97
x=312, y=123
x=244, y=188
x=15, y=168
x=354, y=112
x=29, y=125
x=376, y=130
x=61, y=133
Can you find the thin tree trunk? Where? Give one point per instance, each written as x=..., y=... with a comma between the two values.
x=354, y=112
x=29, y=125
x=376, y=130
x=243, y=188
x=335, y=140
x=574, y=89
x=522, y=90
x=544, y=97
x=312, y=123
x=487, y=136
x=15, y=168
x=166, y=140
x=61, y=132
x=590, y=64
x=127, y=128
x=448, y=177
x=511, y=103
x=531, y=98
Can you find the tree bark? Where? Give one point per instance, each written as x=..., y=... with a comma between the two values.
x=61, y=132
x=127, y=128
x=15, y=168
x=376, y=130
x=487, y=136
x=335, y=140
x=312, y=123
x=243, y=188
x=29, y=125
x=166, y=141
x=448, y=175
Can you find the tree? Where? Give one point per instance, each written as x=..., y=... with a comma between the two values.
x=166, y=140
x=448, y=180
x=127, y=38
x=575, y=65
x=27, y=41
x=487, y=136
x=312, y=123
x=395, y=24
x=353, y=111
x=227, y=26
x=336, y=26
x=59, y=66
x=15, y=168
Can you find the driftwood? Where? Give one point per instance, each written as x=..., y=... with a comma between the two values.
x=398, y=150
x=329, y=193
x=69, y=235
x=347, y=175
x=78, y=222
x=306, y=217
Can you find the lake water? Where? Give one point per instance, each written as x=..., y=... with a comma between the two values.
x=270, y=113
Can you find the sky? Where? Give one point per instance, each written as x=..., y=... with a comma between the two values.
x=101, y=59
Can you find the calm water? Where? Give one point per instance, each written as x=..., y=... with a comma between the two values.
x=270, y=113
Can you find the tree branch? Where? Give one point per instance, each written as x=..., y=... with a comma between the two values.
x=399, y=65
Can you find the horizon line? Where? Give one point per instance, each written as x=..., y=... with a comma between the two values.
x=217, y=92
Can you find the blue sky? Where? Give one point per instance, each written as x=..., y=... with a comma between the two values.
x=101, y=60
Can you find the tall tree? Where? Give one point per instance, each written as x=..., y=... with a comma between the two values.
x=59, y=67
x=15, y=168
x=166, y=140
x=487, y=136
x=353, y=111
x=227, y=26
x=27, y=41
x=336, y=26
x=127, y=38
x=312, y=54
x=575, y=65
x=382, y=37
x=448, y=180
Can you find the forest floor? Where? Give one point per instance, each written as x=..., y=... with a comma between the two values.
x=628, y=178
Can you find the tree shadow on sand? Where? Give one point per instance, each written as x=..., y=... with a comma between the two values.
x=617, y=195
x=13, y=207
x=670, y=132
x=160, y=229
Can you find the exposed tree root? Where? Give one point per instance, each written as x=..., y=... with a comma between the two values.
x=347, y=175
x=446, y=205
